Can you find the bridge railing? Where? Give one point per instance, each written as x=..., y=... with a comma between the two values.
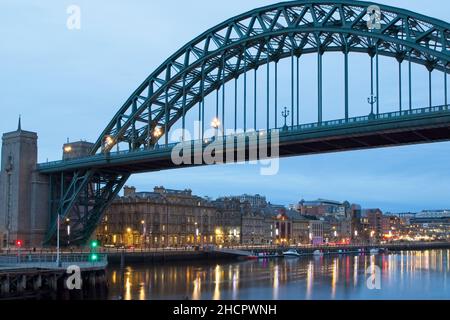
x=303, y=127
x=381, y=116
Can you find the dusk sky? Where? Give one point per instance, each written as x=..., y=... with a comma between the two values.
x=69, y=84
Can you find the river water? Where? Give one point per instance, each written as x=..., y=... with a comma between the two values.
x=403, y=275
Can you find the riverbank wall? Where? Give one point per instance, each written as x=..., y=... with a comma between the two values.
x=162, y=256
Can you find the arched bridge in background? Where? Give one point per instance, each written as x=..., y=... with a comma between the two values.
x=239, y=58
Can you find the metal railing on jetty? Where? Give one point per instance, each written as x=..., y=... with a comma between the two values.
x=24, y=260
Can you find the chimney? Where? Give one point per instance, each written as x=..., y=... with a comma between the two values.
x=129, y=191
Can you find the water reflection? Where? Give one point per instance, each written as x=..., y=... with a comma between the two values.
x=276, y=283
x=235, y=283
x=355, y=270
x=334, y=278
x=196, y=295
x=310, y=281
x=406, y=275
x=127, y=287
x=217, y=280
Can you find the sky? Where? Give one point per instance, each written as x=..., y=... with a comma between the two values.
x=70, y=83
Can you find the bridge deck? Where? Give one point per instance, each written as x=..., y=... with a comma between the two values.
x=385, y=130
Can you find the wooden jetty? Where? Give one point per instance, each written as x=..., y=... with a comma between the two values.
x=41, y=277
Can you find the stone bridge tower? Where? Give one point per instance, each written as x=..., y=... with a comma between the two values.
x=23, y=192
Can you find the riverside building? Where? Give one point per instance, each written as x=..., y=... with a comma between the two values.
x=162, y=218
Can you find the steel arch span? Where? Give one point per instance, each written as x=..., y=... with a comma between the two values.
x=224, y=53
x=271, y=33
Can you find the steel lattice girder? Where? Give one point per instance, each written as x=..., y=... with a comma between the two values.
x=271, y=33
x=84, y=203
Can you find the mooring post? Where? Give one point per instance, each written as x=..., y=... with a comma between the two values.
x=22, y=284
x=37, y=283
x=5, y=286
x=92, y=280
x=54, y=282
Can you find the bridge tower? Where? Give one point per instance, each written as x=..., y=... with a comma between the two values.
x=23, y=214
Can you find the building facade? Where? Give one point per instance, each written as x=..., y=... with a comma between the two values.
x=300, y=228
x=162, y=218
x=322, y=208
x=316, y=229
x=177, y=218
x=229, y=221
x=173, y=218
x=256, y=229
x=375, y=224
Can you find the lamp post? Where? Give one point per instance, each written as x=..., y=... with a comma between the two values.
x=372, y=236
x=144, y=232
x=166, y=202
x=157, y=133
x=68, y=231
x=215, y=124
x=68, y=149
x=202, y=233
x=108, y=143
x=9, y=169
x=58, y=253
x=197, y=233
x=285, y=114
x=129, y=234
x=356, y=236
x=372, y=100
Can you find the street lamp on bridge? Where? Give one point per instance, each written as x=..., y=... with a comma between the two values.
x=215, y=124
x=108, y=143
x=157, y=133
x=285, y=114
x=372, y=100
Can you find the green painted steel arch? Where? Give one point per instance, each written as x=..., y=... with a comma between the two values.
x=274, y=32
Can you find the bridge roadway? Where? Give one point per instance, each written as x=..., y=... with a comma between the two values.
x=384, y=130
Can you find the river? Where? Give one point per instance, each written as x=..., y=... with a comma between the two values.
x=403, y=275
